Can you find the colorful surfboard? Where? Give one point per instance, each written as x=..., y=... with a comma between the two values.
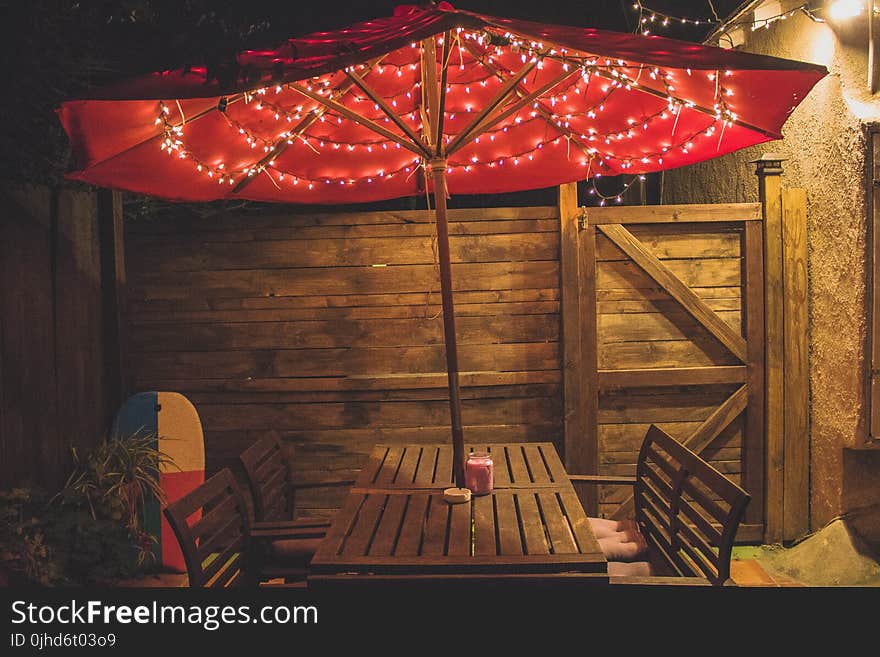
x=174, y=421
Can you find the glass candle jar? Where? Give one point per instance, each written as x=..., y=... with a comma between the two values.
x=479, y=475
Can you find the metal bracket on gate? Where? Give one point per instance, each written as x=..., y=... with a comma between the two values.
x=583, y=220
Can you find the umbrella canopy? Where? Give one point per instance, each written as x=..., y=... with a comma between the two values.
x=332, y=117
x=430, y=97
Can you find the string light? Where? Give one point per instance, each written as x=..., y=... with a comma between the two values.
x=650, y=19
x=616, y=197
x=572, y=113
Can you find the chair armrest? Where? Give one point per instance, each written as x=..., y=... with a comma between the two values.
x=320, y=484
x=289, y=529
x=286, y=525
x=277, y=534
x=603, y=479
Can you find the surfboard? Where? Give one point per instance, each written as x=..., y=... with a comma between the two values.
x=174, y=421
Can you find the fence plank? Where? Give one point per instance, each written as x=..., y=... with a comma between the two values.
x=683, y=294
x=796, y=518
x=674, y=213
x=575, y=445
x=753, y=302
x=771, y=195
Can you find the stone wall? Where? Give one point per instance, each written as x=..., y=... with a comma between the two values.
x=825, y=146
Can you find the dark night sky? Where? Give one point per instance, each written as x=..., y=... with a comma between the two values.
x=607, y=14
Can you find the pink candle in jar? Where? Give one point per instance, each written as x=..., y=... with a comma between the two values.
x=479, y=473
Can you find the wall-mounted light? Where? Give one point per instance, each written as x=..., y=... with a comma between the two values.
x=841, y=10
x=845, y=15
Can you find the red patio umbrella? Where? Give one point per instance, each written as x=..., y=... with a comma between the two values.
x=431, y=97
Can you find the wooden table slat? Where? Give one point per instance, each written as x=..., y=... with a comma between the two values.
x=532, y=526
x=389, y=526
x=388, y=471
x=500, y=469
x=407, y=473
x=509, y=538
x=518, y=470
x=370, y=513
x=580, y=526
x=371, y=468
x=484, y=525
x=460, y=530
x=443, y=474
x=332, y=543
x=434, y=539
x=539, y=472
x=425, y=471
x=411, y=530
x=561, y=537
x=554, y=464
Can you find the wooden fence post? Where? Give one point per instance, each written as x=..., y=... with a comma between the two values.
x=112, y=251
x=769, y=171
x=786, y=347
x=796, y=507
x=579, y=442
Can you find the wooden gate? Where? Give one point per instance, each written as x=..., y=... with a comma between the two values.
x=670, y=310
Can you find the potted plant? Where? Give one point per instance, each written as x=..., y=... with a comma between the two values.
x=92, y=531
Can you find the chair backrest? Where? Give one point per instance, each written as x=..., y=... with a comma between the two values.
x=686, y=509
x=211, y=526
x=268, y=475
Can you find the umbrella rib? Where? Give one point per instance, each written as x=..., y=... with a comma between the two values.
x=376, y=98
x=194, y=117
x=428, y=57
x=458, y=143
x=441, y=91
x=282, y=145
x=664, y=95
x=691, y=105
x=416, y=147
x=502, y=95
x=653, y=92
x=521, y=91
x=300, y=128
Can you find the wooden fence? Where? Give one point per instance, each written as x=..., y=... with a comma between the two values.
x=57, y=389
x=576, y=326
x=326, y=330
x=672, y=319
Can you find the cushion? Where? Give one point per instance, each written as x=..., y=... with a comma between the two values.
x=617, y=548
x=602, y=527
x=293, y=551
x=633, y=569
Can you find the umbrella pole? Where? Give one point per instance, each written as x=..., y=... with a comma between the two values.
x=438, y=173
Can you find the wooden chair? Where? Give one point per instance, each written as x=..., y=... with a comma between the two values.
x=272, y=488
x=221, y=547
x=215, y=544
x=686, y=510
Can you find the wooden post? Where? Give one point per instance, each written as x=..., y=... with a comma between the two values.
x=873, y=373
x=113, y=282
x=769, y=170
x=589, y=362
x=796, y=507
x=579, y=440
x=438, y=172
x=752, y=251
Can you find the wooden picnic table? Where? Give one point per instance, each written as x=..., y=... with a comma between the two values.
x=395, y=522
